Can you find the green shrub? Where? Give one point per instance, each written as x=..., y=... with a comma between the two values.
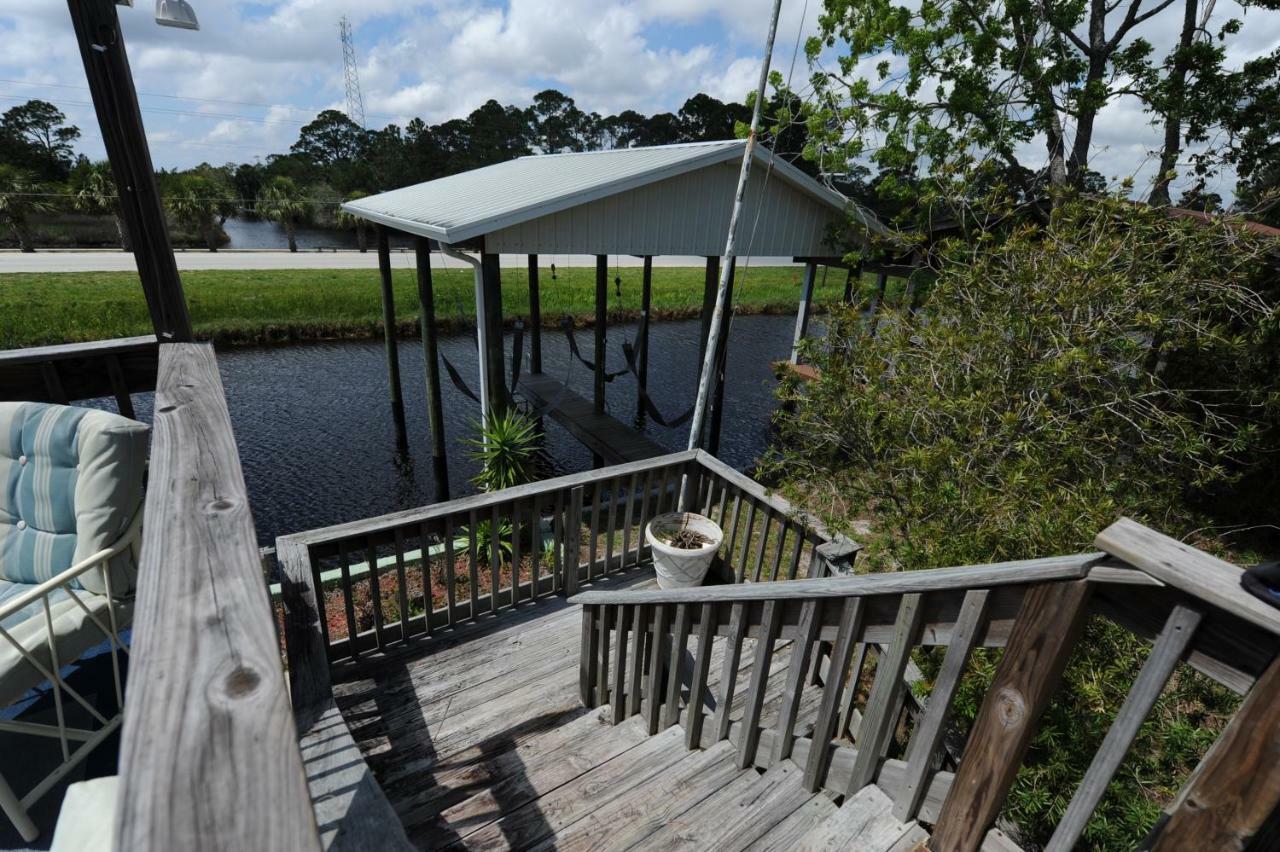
x=1110, y=361
x=506, y=446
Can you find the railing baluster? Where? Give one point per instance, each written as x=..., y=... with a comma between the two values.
x=644, y=513
x=322, y=604
x=602, y=652
x=640, y=629
x=626, y=525
x=450, y=594
x=593, y=543
x=473, y=575
x=495, y=556
x=730, y=541
x=746, y=540
x=729, y=668
x=375, y=592
x=618, y=698
x=557, y=544
x=573, y=541
x=587, y=655
x=535, y=546
x=851, y=696
x=680, y=640
x=824, y=728
x=119, y=387
x=614, y=489
x=764, y=543
x=698, y=683
x=428, y=590
x=402, y=584
x=810, y=622
x=928, y=733
x=1179, y=627
x=886, y=693
x=653, y=696
x=516, y=556
x=770, y=622
x=779, y=545
x=344, y=561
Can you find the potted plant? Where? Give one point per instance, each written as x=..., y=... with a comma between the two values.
x=683, y=543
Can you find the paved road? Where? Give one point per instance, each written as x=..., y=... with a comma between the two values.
x=118, y=261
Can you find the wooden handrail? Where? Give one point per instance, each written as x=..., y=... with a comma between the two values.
x=69, y=372
x=209, y=756
x=1023, y=572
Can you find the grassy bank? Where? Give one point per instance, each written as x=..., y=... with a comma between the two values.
x=250, y=306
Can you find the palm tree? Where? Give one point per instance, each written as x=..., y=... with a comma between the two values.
x=347, y=220
x=281, y=201
x=20, y=197
x=93, y=191
x=201, y=204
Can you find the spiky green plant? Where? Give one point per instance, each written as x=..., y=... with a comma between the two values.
x=506, y=447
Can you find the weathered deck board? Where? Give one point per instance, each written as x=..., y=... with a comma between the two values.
x=612, y=440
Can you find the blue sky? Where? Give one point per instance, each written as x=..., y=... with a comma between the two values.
x=242, y=86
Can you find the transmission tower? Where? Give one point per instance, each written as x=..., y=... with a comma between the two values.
x=355, y=101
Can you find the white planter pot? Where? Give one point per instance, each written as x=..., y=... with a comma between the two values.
x=677, y=567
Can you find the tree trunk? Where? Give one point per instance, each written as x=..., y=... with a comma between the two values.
x=211, y=236
x=24, y=238
x=1173, y=109
x=362, y=236
x=289, y=232
x=1092, y=98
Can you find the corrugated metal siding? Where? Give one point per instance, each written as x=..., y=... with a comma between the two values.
x=683, y=215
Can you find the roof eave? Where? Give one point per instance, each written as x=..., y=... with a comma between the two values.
x=410, y=226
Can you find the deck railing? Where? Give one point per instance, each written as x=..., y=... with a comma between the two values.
x=385, y=581
x=655, y=653
x=76, y=371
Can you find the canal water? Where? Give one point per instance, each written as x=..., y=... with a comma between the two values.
x=318, y=447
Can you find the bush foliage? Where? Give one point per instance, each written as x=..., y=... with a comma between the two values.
x=1108, y=361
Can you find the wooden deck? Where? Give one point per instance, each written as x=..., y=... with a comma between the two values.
x=480, y=741
x=612, y=440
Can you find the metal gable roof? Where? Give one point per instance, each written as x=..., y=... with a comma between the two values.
x=466, y=205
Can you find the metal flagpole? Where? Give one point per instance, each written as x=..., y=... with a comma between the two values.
x=726, y=268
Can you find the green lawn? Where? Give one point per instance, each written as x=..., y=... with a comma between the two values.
x=264, y=305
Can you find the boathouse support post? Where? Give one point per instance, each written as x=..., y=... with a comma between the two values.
x=722, y=347
x=535, y=317
x=431, y=359
x=602, y=317
x=642, y=345
x=492, y=357
x=389, y=334
x=806, y=306
x=710, y=280
x=854, y=277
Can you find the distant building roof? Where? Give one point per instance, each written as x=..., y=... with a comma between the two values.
x=668, y=199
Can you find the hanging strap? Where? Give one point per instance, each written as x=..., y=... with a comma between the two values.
x=566, y=323
x=650, y=408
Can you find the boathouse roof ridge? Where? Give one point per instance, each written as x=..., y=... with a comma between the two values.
x=665, y=199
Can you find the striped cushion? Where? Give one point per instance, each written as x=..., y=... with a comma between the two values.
x=70, y=484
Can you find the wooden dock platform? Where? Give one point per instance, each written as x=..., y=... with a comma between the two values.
x=607, y=437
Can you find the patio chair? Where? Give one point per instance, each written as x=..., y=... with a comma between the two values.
x=71, y=484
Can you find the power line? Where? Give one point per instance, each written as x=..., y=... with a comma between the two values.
x=228, y=115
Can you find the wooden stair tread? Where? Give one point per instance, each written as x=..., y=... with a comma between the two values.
x=864, y=822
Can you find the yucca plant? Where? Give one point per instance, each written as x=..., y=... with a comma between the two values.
x=506, y=448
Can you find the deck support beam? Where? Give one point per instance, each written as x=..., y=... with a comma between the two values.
x=722, y=344
x=806, y=306
x=431, y=359
x=106, y=65
x=389, y=335
x=535, y=317
x=492, y=358
x=642, y=344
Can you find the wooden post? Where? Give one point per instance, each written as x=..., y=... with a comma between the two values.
x=106, y=65
x=710, y=281
x=1237, y=786
x=722, y=344
x=389, y=334
x=493, y=358
x=431, y=359
x=535, y=317
x=802, y=315
x=602, y=317
x=853, y=279
x=1043, y=637
x=642, y=345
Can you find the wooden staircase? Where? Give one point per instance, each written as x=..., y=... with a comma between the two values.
x=862, y=739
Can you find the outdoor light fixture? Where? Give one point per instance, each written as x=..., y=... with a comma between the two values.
x=176, y=13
